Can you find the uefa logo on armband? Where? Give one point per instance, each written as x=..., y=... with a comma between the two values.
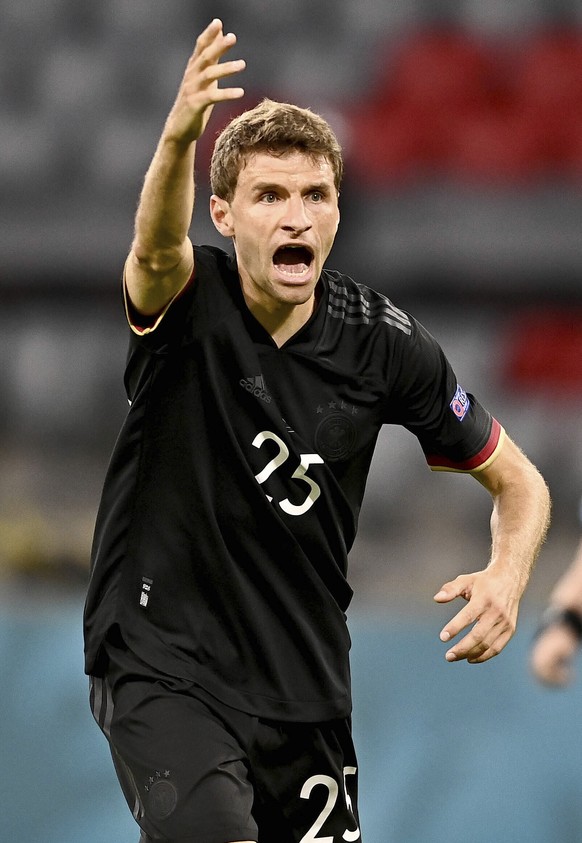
x=460, y=403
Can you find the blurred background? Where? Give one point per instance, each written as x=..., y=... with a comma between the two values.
x=461, y=123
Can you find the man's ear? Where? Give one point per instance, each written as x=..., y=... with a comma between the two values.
x=221, y=216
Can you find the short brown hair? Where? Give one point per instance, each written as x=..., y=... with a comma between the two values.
x=274, y=127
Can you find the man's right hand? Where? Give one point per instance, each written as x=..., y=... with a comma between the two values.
x=199, y=89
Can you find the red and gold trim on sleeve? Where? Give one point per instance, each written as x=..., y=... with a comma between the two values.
x=484, y=458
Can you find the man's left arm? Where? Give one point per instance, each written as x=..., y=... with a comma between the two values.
x=519, y=522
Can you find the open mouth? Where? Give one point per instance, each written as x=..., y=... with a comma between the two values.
x=293, y=260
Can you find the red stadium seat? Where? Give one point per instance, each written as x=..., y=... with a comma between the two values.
x=389, y=145
x=546, y=83
x=406, y=128
x=439, y=69
x=446, y=102
x=544, y=351
x=571, y=162
x=498, y=146
x=548, y=70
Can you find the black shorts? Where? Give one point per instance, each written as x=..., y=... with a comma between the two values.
x=194, y=770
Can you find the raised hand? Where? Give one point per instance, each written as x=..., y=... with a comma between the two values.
x=199, y=90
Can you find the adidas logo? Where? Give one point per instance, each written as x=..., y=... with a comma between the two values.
x=256, y=386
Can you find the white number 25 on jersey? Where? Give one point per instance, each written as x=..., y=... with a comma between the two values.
x=300, y=472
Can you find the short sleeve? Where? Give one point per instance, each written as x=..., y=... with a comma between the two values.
x=455, y=432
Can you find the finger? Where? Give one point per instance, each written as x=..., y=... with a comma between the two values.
x=227, y=94
x=464, y=618
x=486, y=640
x=204, y=69
x=208, y=35
x=473, y=652
x=471, y=646
x=486, y=650
x=459, y=587
x=227, y=68
x=445, y=593
x=210, y=52
x=200, y=84
x=205, y=84
x=206, y=38
x=221, y=45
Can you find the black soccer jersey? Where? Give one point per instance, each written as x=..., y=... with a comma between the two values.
x=234, y=489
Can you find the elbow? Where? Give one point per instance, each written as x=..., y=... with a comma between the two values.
x=156, y=262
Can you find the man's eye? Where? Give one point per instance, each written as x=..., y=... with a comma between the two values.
x=269, y=198
x=317, y=196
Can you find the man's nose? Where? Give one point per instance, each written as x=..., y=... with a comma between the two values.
x=296, y=216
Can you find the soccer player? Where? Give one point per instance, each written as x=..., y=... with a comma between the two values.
x=558, y=639
x=258, y=381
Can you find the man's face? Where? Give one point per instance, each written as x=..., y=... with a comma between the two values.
x=283, y=218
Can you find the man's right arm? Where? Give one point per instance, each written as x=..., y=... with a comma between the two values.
x=161, y=260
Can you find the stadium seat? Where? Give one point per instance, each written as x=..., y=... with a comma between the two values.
x=498, y=146
x=546, y=84
x=548, y=70
x=406, y=127
x=571, y=163
x=443, y=68
x=544, y=351
x=392, y=144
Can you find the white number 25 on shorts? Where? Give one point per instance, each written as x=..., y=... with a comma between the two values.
x=349, y=835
